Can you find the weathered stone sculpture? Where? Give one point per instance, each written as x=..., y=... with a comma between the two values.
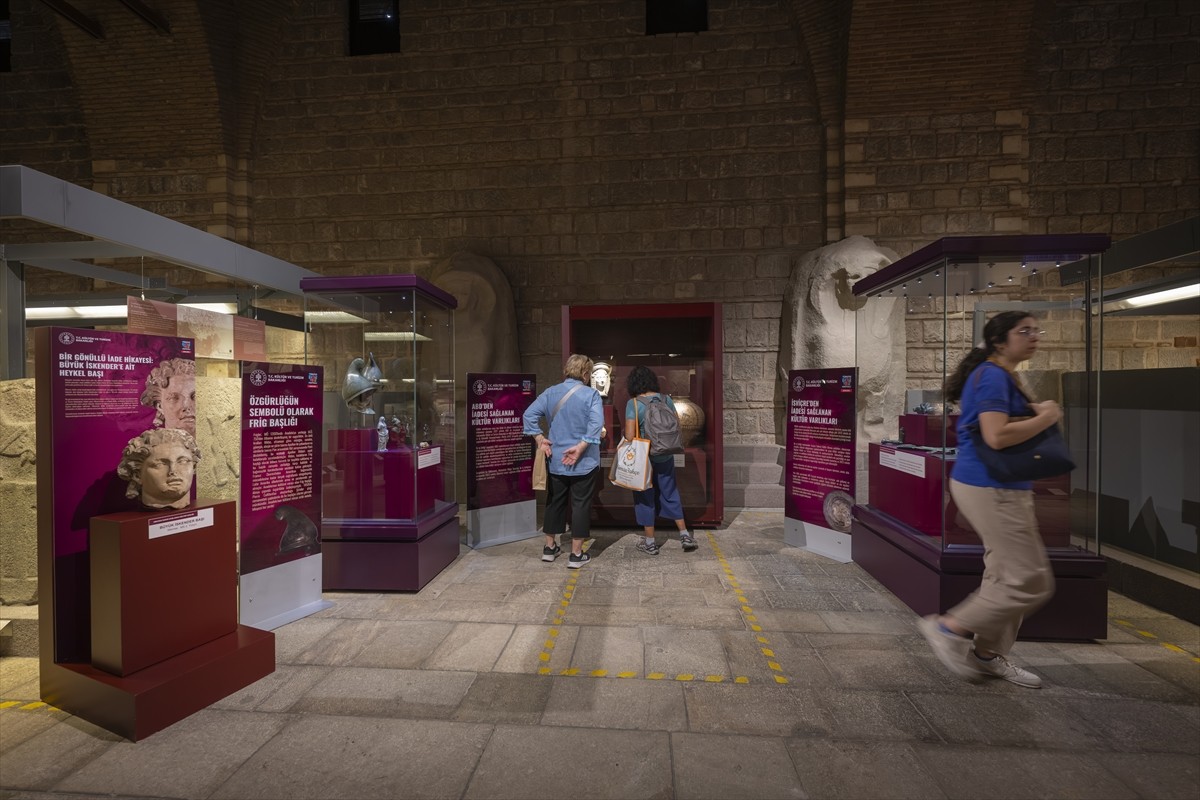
x=485, y=329
x=485, y=322
x=822, y=320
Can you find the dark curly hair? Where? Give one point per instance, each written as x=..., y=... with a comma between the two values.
x=994, y=332
x=641, y=379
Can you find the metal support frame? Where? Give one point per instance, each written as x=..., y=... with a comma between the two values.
x=12, y=312
x=28, y=194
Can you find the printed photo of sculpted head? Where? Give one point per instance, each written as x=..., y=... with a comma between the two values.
x=158, y=467
x=171, y=391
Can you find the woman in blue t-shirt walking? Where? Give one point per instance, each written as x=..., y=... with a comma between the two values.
x=1017, y=579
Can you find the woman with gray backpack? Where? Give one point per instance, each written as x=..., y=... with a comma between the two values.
x=653, y=414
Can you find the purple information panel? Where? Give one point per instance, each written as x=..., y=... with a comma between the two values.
x=499, y=457
x=820, y=447
x=97, y=382
x=281, y=462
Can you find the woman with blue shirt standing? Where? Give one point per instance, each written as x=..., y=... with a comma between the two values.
x=973, y=639
x=661, y=499
x=574, y=417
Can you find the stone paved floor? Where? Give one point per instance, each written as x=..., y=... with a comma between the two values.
x=747, y=669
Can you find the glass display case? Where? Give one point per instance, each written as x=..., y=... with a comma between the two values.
x=389, y=511
x=681, y=343
x=907, y=531
x=1146, y=320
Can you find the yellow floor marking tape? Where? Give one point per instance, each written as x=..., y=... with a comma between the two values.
x=560, y=613
x=748, y=615
x=33, y=705
x=1174, y=648
x=10, y=703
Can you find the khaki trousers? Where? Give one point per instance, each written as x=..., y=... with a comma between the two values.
x=1017, y=578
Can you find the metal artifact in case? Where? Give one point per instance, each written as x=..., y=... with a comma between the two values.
x=389, y=512
x=907, y=531
x=681, y=343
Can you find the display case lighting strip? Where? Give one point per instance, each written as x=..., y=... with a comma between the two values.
x=110, y=311
x=394, y=336
x=1165, y=296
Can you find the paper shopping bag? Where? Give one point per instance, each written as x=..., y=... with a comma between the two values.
x=539, y=469
x=631, y=465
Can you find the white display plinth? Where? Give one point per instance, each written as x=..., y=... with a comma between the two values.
x=817, y=539
x=513, y=522
x=281, y=594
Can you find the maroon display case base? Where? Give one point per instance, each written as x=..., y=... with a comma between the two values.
x=154, y=598
x=929, y=580
x=387, y=565
x=149, y=700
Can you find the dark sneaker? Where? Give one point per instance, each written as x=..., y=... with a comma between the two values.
x=1000, y=667
x=551, y=553
x=689, y=543
x=577, y=561
x=648, y=547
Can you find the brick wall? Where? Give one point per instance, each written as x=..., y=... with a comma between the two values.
x=1114, y=115
x=595, y=164
x=1063, y=117
x=592, y=163
x=41, y=122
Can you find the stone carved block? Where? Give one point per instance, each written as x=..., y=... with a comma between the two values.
x=821, y=319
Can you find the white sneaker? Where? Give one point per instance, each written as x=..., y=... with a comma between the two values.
x=1001, y=667
x=950, y=649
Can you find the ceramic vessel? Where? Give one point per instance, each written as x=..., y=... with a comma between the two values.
x=691, y=420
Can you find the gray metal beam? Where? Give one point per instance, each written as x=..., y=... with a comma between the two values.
x=28, y=194
x=103, y=274
x=12, y=315
x=83, y=249
x=149, y=14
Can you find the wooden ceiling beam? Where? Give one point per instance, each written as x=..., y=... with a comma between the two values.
x=74, y=15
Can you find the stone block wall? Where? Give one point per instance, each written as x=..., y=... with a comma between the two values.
x=18, y=493
x=218, y=432
x=595, y=164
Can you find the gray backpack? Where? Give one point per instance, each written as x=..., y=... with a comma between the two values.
x=662, y=428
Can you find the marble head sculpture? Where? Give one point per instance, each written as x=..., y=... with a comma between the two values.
x=171, y=391
x=159, y=466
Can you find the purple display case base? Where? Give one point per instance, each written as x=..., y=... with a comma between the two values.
x=383, y=565
x=929, y=580
x=146, y=701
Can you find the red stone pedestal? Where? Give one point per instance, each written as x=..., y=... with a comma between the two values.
x=155, y=596
x=165, y=640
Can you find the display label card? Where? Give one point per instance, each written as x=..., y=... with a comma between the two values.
x=281, y=462
x=429, y=457
x=821, y=431
x=904, y=462
x=217, y=335
x=178, y=523
x=499, y=454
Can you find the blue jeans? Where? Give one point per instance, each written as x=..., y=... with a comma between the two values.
x=660, y=500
